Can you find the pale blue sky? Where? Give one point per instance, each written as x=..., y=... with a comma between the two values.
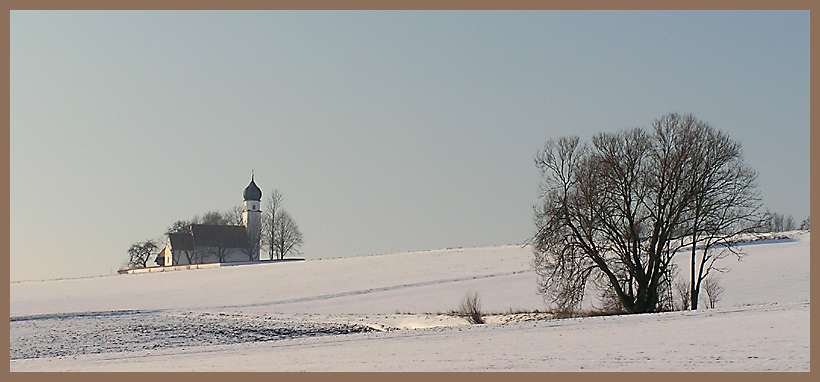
x=385, y=131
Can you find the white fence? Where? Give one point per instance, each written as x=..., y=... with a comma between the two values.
x=171, y=268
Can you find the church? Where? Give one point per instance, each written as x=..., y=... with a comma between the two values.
x=200, y=243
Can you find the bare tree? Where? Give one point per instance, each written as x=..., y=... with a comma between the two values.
x=617, y=210
x=233, y=216
x=140, y=252
x=178, y=226
x=216, y=218
x=287, y=236
x=279, y=232
x=712, y=292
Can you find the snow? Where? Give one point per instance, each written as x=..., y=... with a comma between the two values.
x=388, y=313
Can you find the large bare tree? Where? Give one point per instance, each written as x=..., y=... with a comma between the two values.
x=616, y=211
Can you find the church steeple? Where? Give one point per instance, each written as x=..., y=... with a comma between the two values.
x=252, y=192
x=252, y=215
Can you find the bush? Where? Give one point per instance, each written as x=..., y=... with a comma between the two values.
x=470, y=308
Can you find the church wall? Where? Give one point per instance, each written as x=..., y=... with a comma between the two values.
x=167, y=253
x=234, y=255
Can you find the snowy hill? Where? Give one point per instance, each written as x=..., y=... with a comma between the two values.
x=382, y=313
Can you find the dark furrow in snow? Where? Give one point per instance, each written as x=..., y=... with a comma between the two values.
x=63, y=315
x=366, y=291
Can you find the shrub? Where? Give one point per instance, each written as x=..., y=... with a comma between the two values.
x=470, y=308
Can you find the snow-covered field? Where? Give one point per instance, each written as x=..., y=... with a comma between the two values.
x=386, y=313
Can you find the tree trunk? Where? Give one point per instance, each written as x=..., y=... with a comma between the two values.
x=693, y=286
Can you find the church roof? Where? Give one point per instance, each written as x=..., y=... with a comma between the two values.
x=252, y=192
x=224, y=236
x=181, y=240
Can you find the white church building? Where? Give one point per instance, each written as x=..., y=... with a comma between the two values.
x=200, y=243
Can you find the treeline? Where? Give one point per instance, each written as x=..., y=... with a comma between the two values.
x=775, y=222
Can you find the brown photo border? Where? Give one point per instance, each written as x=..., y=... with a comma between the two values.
x=407, y=5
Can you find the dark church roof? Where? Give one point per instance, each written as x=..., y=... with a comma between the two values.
x=252, y=192
x=224, y=236
x=181, y=241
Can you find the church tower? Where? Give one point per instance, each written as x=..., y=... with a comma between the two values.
x=252, y=215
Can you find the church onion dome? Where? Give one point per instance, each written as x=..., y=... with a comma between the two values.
x=252, y=192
